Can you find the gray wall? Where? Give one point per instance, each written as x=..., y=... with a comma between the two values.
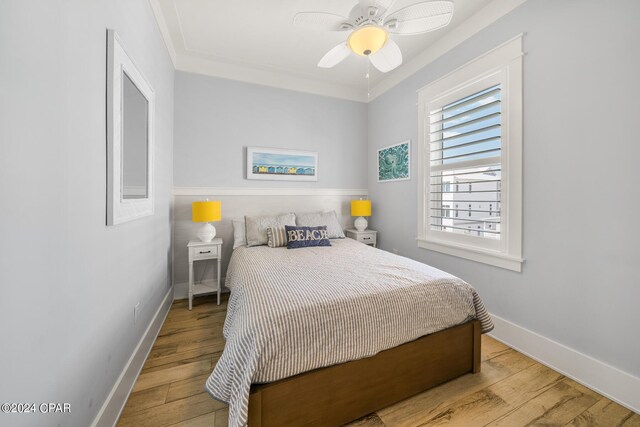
x=579, y=285
x=215, y=119
x=68, y=283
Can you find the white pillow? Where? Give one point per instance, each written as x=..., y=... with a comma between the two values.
x=256, y=227
x=330, y=219
x=239, y=234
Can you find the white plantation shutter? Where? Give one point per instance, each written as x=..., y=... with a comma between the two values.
x=465, y=165
x=470, y=153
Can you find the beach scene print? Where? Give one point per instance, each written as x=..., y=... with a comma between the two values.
x=283, y=164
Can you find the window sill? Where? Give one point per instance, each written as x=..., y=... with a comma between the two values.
x=473, y=254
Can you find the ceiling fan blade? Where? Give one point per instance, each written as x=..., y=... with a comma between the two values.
x=375, y=8
x=335, y=56
x=321, y=21
x=387, y=58
x=420, y=18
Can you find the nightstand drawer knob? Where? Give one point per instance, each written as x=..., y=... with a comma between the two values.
x=205, y=252
x=366, y=238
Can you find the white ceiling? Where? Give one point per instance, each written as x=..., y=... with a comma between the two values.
x=255, y=41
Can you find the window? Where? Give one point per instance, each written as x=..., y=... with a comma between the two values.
x=471, y=136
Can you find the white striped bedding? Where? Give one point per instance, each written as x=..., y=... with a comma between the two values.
x=294, y=310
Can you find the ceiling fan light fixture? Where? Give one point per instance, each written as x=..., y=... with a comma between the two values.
x=367, y=40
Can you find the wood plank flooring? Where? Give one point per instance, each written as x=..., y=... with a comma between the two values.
x=511, y=390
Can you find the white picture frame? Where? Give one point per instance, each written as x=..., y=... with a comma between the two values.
x=136, y=202
x=408, y=161
x=276, y=164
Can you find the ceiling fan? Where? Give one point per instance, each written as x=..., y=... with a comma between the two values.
x=370, y=24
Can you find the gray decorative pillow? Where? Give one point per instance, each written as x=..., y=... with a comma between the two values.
x=276, y=237
x=330, y=219
x=257, y=227
x=239, y=236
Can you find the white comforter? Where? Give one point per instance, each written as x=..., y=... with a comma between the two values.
x=293, y=310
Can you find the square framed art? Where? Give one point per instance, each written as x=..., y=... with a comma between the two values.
x=394, y=162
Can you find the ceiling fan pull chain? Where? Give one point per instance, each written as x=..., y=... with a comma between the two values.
x=368, y=78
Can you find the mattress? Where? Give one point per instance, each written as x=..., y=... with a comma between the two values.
x=294, y=310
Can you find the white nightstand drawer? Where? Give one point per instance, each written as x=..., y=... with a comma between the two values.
x=205, y=252
x=366, y=237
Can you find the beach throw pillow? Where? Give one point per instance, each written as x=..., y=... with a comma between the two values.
x=304, y=237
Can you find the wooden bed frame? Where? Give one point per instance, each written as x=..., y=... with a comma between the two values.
x=338, y=394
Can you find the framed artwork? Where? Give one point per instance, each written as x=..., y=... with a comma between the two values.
x=394, y=162
x=281, y=165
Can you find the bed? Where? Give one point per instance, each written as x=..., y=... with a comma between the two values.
x=324, y=335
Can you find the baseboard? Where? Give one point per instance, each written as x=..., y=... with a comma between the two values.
x=114, y=404
x=181, y=290
x=617, y=385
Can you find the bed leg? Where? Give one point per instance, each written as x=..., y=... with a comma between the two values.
x=255, y=408
x=477, y=346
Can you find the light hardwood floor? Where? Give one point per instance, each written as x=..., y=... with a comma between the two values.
x=511, y=390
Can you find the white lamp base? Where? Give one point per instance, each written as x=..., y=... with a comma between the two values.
x=206, y=233
x=360, y=223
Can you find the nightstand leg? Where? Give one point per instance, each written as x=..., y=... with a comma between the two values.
x=219, y=284
x=190, y=284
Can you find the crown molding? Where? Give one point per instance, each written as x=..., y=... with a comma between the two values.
x=284, y=79
x=164, y=30
x=268, y=77
x=474, y=24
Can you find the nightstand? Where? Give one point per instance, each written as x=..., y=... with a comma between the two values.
x=368, y=237
x=202, y=251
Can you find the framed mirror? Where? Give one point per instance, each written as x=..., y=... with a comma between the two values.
x=130, y=110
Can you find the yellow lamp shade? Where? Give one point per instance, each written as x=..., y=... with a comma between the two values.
x=361, y=208
x=367, y=40
x=206, y=211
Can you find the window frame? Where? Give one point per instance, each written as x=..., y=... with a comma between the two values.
x=504, y=66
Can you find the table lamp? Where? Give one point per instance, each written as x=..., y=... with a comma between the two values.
x=206, y=212
x=360, y=208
